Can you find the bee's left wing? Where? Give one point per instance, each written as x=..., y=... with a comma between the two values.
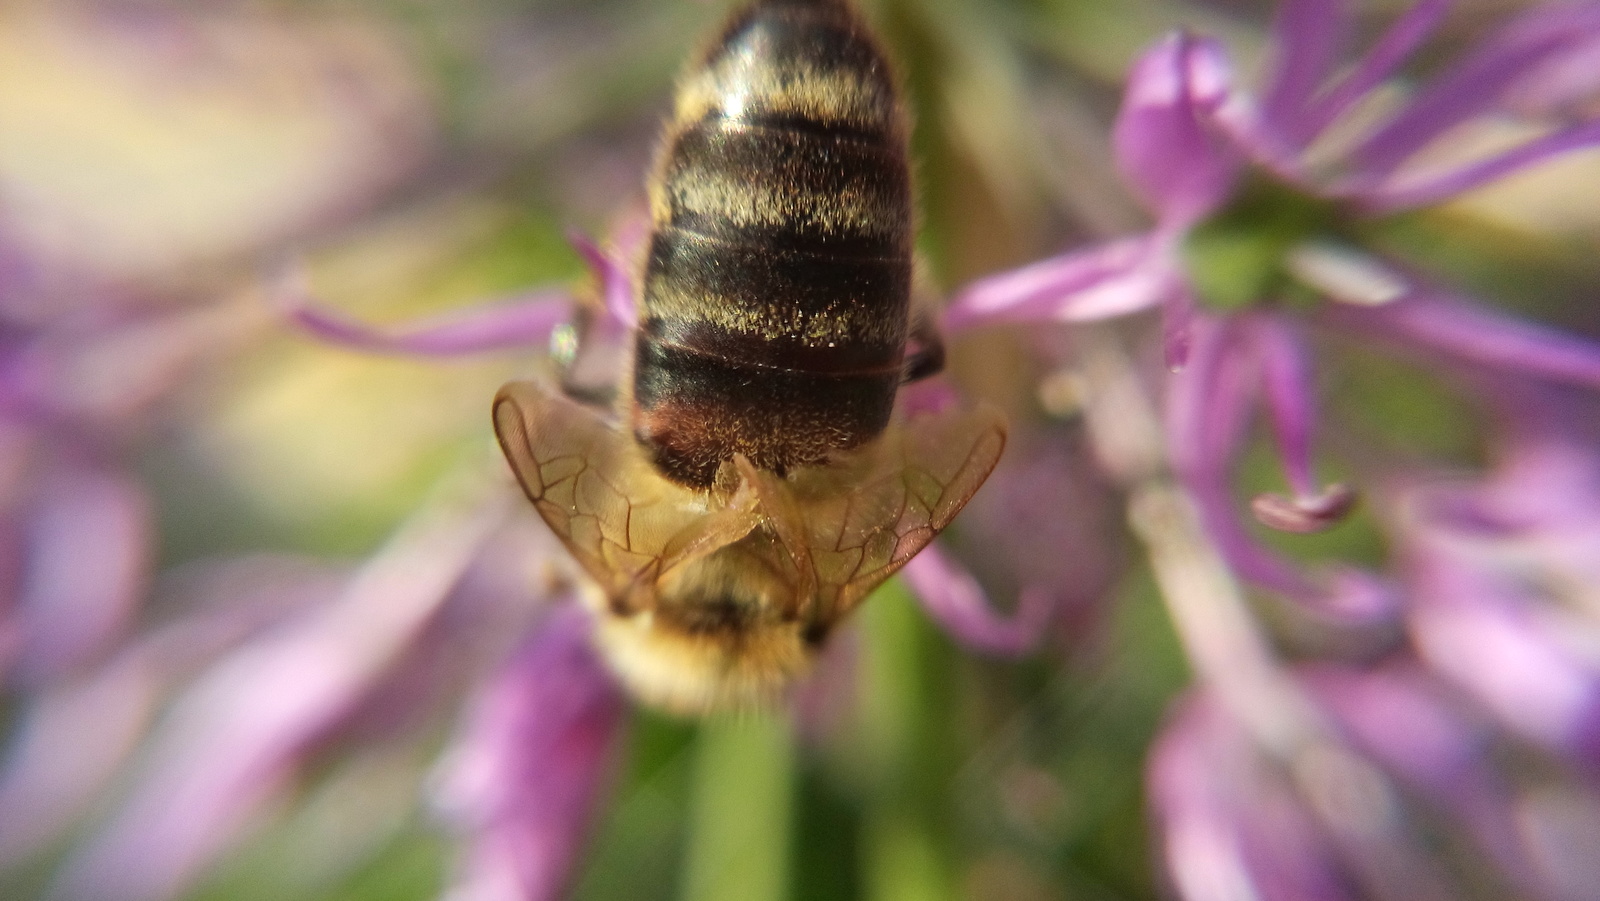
x=623, y=522
x=868, y=515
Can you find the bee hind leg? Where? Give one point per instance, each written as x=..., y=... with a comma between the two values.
x=926, y=355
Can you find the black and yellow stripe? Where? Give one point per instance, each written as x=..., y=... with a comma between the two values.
x=779, y=273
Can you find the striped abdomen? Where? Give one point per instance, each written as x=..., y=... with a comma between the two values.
x=779, y=271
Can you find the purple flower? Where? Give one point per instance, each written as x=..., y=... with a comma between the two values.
x=522, y=779
x=1503, y=575
x=1254, y=196
x=151, y=156
x=1343, y=815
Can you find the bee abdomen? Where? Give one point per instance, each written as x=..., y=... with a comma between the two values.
x=779, y=272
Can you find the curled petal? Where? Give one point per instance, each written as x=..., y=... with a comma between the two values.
x=1479, y=82
x=1179, y=169
x=1306, y=40
x=1434, y=321
x=1286, y=376
x=953, y=598
x=1237, y=121
x=1098, y=282
x=1291, y=405
x=1410, y=193
x=1304, y=514
x=616, y=285
x=524, y=775
x=522, y=321
x=230, y=742
x=1208, y=410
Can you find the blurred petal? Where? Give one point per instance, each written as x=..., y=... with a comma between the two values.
x=118, y=371
x=1479, y=82
x=1168, y=158
x=1404, y=720
x=1231, y=829
x=1403, y=37
x=1235, y=118
x=524, y=776
x=1208, y=411
x=1306, y=39
x=1097, y=282
x=87, y=546
x=1411, y=192
x=1434, y=321
x=1177, y=325
x=230, y=742
x=523, y=321
x=1291, y=405
x=1480, y=628
x=1286, y=376
x=616, y=284
x=51, y=776
x=954, y=600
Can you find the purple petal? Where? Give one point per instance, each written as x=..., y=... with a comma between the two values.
x=118, y=370
x=1412, y=192
x=1177, y=326
x=51, y=774
x=52, y=777
x=1230, y=827
x=616, y=285
x=1291, y=403
x=1233, y=116
x=1432, y=320
x=1402, y=38
x=87, y=548
x=231, y=741
x=522, y=321
x=1306, y=39
x=1405, y=722
x=1479, y=82
x=1480, y=629
x=1304, y=513
x=524, y=775
x=1097, y=282
x=1208, y=411
x=1166, y=155
x=953, y=599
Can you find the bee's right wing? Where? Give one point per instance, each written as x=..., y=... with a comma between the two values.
x=867, y=516
x=622, y=521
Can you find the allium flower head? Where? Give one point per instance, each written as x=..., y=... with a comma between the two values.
x=1260, y=200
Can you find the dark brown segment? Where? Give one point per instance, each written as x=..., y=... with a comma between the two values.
x=694, y=412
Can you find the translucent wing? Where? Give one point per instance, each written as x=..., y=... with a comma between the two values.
x=619, y=518
x=867, y=516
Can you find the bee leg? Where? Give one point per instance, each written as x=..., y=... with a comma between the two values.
x=781, y=511
x=926, y=357
x=711, y=532
x=588, y=353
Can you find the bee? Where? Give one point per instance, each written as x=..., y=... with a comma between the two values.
x=754, y=486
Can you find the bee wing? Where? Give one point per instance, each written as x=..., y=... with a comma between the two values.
x=621, y=520
x=870, y=515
